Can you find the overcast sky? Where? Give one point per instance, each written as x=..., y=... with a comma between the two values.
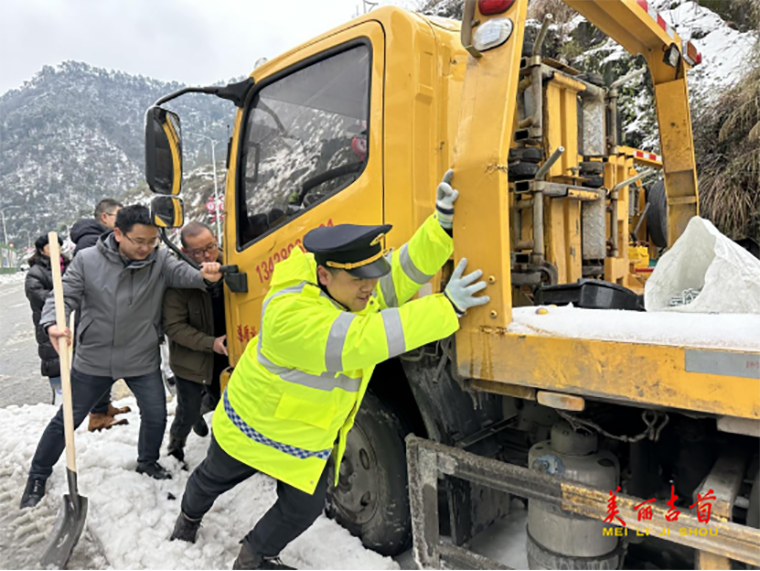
x=192, y=41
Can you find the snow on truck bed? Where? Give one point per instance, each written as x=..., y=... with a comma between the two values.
x=739, y=332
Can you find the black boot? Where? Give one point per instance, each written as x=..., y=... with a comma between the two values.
x=33, y=493
x=176, y=448
x=154, y=470
x=201, y=428
x=185, y=528
x=247, y=559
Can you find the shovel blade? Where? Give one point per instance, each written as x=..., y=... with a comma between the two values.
x=66, y=532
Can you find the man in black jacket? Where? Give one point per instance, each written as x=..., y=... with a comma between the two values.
x=85, y=234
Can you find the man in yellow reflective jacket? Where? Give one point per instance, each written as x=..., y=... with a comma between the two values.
x=329, y=318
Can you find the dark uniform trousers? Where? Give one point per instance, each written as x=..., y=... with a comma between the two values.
x=292, y=514
x=190, y=397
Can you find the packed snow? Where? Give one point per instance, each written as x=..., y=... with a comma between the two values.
x=699, y=330
x=12, y=278
x=131, y=516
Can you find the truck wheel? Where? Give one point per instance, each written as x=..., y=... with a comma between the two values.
x=657, y=216
x=371, y=499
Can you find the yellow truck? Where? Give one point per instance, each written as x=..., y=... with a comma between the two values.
x=594, y=427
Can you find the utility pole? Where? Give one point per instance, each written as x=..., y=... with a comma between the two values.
x=28, y=238
x=2, y=215
x=216, y=190
x=216, y=186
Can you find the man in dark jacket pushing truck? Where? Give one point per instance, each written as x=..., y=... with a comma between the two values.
x=120, y=285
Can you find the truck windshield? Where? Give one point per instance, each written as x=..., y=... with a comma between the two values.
x=305, y=139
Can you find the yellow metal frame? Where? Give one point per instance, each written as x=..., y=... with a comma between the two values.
x=483, y=140
x=645, y=375
x=630, y=373
x=627, y=23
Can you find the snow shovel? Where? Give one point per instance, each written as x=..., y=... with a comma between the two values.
x=72, y=517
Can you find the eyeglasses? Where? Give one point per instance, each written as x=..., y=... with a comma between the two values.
x=142, y=244
x=198, y=252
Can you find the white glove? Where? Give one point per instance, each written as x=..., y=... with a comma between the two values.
x=459, y=291
x=444, y=200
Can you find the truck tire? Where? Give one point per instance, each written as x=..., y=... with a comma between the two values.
x=522, y=171
x=372, y=499
x=526, y=154
x=593, y=181
x=592, y=167
x=657, y=216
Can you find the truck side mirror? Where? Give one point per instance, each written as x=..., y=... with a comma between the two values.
x=163, y=151
x=167, y=212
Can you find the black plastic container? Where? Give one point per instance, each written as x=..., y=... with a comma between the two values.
x=591, y=294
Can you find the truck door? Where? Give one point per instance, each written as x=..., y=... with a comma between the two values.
x=308, y=152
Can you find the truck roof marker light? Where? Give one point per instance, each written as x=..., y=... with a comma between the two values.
x=492, y=34
x=491, y=7
x=690, y=54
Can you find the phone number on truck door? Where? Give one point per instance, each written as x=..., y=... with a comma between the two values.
x=266, y=268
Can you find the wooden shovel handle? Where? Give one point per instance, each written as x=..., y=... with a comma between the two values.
x=64, y=351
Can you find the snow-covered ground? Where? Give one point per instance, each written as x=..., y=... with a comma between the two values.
x=12, y=278
x=131, y=516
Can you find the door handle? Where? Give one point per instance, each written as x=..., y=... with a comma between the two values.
x=236, y=280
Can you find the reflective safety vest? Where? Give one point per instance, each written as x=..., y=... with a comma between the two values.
x=295, y=392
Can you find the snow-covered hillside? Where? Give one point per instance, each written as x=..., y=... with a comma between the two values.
x=73, y=134
x=725, y=50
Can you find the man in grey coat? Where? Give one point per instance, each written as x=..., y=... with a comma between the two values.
x=119, y=286
x=85, y=234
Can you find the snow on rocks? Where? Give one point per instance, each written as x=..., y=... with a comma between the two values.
x=724, y=50
x=131, y=516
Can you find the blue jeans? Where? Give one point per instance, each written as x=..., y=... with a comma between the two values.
x=86, y=390
x=55, y=385
x=101, y=407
